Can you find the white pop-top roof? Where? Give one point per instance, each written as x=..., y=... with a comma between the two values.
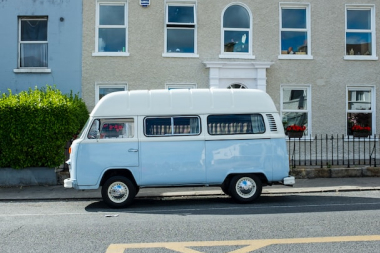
x=183, y=102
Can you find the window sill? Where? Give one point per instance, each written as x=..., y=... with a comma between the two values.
x=295, y=57
x=360, y=58
x=32, y=70
x=304, y=138
x=180, y=55
x=123, y=54
x=236, y=56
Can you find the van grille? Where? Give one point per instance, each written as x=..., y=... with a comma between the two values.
x=272, y=123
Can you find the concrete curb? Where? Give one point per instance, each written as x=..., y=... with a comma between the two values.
x=334, y=172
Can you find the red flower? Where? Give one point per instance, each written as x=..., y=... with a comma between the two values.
x=357, y=128
x=295, y=128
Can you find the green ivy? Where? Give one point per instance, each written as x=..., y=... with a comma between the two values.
x=35, y=126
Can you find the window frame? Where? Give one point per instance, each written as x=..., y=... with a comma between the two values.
x=172, y=25
x=172, y=134
x=308, y=105
x=370, y=7
x=108, y=85
x=98, y=26
x=231, y=55
x=307, y=7
x=372, y=89
x=19, y=42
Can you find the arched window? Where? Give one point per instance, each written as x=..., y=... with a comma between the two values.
x=236, y=86
x=236, y=31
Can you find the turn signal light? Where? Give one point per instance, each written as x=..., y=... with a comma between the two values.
x=69, y=150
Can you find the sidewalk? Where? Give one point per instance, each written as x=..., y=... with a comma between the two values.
x=58, y=192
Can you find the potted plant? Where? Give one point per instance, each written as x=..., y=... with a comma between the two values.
x=359, y=131
x=295, y=131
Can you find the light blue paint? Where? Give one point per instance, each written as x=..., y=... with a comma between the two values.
x=170, y=163
x=64, y=45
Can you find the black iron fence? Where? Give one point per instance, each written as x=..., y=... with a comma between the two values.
x=331, y=150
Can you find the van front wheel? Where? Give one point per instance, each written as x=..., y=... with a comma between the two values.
x=245, y=188
x=118, y=192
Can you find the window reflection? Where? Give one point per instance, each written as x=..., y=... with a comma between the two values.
x=111, y=40
x=111, y=15
x=180, y=41
x=358, y=43
x=181, y=14
x=236, y=17
x=293, y=18
x=358, y=19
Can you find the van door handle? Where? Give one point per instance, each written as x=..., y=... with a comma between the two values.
x=132, y=150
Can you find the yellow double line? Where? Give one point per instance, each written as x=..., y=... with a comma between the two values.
x=247, y=245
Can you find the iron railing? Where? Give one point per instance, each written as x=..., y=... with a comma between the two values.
x=331, y=150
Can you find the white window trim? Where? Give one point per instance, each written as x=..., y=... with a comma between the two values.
x=309, y=111
x=181, y=3
x=372, y=57
x=373, y=104
x=97, y=26
x=108, y=85
x=181, y=86
x=30, y=69
x=232, y=55
x=308, y=56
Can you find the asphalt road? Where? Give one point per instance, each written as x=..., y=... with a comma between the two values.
x=328, y=222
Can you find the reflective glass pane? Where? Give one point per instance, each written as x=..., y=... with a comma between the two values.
x=293, y=18
x=235, y=124
x=104, y=91
x=158, y=126
x=361, y=119
x=180, y=41
x=294, y=99
x=294, y=118
x=236, y=16
x=111, y=15
x=111, y=40
x=186, y=125
x=358, y=19
x=236, y=41
x=181, y=14
x=294, y=42
x=34, y=30
x=358, y=43
x=359, y=100
x=34, y=55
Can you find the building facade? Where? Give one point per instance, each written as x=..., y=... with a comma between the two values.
x=317, y=59
x=41, y=45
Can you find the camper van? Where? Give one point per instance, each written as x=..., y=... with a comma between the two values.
x=229, y=138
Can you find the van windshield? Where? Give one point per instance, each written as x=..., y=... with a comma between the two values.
x=80, y=135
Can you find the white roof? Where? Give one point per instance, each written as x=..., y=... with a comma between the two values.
x=183, y=102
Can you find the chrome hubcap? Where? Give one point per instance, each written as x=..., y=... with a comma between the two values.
x=118, y=192
x=246, y=187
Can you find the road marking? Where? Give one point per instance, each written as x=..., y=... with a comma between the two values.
x=247, y=245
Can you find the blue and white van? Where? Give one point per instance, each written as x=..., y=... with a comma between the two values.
x=186, y=137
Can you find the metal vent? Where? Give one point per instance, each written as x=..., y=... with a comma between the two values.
x=272, y=123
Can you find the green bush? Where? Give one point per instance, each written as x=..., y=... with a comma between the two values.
x=35, y=126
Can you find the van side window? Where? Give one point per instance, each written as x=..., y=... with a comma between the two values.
x=166, y=126
x=111, y=128
x=235, y=124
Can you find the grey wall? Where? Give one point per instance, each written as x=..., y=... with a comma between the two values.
x=64, y=44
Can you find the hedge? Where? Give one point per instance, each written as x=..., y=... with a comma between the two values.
x=35, y=126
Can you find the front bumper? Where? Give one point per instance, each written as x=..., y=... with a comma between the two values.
x=289, y=181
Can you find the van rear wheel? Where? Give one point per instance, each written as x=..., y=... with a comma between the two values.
x=118, y=192
x=245, y=188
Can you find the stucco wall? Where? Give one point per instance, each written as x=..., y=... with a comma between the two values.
x=328, y=74
x=64, y=44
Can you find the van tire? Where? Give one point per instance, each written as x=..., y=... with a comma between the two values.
x=245, y=188
x=118, y=192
